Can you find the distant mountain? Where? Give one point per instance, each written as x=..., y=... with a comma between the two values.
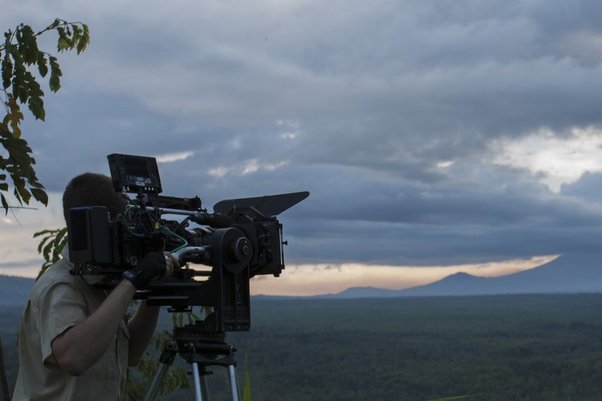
x=14, y=290
x=362, y=292
x=566, y=274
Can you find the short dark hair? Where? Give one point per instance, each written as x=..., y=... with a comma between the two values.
x=91, y=189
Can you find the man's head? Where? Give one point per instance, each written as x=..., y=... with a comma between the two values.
x=90, y=189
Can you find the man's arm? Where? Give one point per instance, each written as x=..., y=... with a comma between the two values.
x=141, y=328
x=78, y=347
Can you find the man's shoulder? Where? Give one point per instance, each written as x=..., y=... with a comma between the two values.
x=57, y=274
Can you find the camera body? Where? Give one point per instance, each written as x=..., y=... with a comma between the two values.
x=240, y=239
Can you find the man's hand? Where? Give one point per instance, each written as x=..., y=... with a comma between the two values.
x=152, y=265
x=143, y=324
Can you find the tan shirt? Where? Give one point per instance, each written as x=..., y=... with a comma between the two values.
x=57, y=302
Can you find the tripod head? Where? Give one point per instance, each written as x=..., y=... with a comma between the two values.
x=201, y=350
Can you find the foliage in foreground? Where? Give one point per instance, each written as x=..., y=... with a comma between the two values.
x=23, y=63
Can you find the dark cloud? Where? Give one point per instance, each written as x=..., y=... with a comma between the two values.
x=588, y=188
x=389, y=126
x=377, y=222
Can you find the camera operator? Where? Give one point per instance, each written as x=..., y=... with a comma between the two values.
x=75, y=341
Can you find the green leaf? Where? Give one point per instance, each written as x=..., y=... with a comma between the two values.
x=84, y=39
x=4, y=132
x=42, y=65
x=14, y=116
x=18, y=80
x=38, y=233
x=39, y=195
x=43, y=242
x=77, y=33
x=36, y=102
x=21, y=191
x=55, y=74
x=28, y=45
x=19, y=160
x=35, y=184
x=59, y=243
x=36, y=105
x=7, y=71
x=47, y=249
x=64, y=42
x=4, y=204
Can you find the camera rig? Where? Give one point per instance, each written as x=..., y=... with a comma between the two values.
x=240, y=239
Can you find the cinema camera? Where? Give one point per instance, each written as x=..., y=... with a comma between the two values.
x=241, y=239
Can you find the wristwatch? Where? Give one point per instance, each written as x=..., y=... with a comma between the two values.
x=129, y=276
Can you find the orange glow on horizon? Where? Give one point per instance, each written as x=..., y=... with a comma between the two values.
x=305, y=280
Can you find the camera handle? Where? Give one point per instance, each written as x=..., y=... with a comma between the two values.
x=200, y=355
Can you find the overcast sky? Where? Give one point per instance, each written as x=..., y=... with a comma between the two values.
x=429, y=133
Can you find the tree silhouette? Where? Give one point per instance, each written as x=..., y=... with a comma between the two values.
x=23, y=64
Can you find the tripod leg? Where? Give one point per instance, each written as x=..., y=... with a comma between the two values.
x=233, y=383
x=197, y=382
x=166, y=359
x=204, y=388
x=151, y=394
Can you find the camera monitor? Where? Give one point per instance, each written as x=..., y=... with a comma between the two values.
x=134, y=174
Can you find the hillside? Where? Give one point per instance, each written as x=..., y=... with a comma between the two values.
x=498, y=348
x=14, y=290
x=566, y=274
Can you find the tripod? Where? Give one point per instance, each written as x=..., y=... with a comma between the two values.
x=200, y=352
